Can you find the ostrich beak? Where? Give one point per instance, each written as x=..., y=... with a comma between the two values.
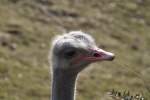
x=95, y=55
x=103, y=55
x=100, y=55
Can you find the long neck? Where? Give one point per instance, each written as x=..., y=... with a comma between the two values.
x=63, y=85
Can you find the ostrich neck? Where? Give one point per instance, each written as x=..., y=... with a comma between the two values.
x=63, y=85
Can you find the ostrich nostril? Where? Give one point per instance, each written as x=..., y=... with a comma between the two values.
x=96, y=55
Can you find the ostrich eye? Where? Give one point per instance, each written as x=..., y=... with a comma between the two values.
x=70, y=53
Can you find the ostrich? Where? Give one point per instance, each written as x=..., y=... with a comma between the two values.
x=70, y=54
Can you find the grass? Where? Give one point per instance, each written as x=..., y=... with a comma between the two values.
x=120, y=26
x=125, y=96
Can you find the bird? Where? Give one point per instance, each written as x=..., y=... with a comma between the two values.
x=70, y=53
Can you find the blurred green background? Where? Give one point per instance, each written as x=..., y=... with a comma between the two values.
x=119, y=26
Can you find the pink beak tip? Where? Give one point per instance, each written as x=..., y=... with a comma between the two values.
x=112, y=57
x=109, y=56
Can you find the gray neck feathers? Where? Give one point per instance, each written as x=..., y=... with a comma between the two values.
x=63, y=85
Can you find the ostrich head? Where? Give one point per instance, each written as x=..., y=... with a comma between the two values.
x=75, y=50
